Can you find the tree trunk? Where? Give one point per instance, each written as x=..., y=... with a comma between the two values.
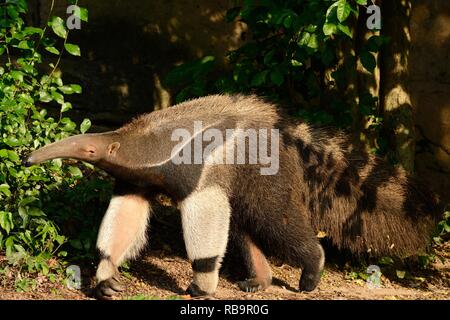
x=368, y=83
x=395, y=94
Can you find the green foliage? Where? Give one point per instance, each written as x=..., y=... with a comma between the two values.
x=295, y=56
x=443, y=228
x=29, y=212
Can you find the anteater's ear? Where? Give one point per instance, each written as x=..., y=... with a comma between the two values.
x=113, y=147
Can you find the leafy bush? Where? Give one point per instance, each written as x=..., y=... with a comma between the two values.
x=296, y=55
x=443, y=228
x=28, y=229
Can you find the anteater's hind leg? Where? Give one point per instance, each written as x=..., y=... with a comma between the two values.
x=259, y=275
x=288, y=235
x=205, y=216
x=121, y=236
x=312, y=270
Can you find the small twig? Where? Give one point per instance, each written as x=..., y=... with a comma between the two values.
x=45, y=28
x=60, y=55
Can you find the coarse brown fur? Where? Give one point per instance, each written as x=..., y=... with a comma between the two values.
x=359, y=201
x=362, y=203
x=322, y=183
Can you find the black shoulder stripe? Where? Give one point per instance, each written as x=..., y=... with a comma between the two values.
x=204, y=265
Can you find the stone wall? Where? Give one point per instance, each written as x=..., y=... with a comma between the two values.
x=430, y=85
x=129, y=45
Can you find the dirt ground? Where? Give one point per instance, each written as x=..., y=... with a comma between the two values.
x=163, y=272
x=158, y=276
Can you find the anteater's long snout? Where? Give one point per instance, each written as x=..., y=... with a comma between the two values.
x=86, y=147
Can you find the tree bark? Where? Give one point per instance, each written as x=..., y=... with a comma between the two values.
x=368, y=83
x=395, y=94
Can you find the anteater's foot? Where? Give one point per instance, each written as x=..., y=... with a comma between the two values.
x=194, y=291
x=107, y=288
x=309, y=280
x=253, y=285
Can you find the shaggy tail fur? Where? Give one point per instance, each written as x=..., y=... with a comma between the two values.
x=359, y=201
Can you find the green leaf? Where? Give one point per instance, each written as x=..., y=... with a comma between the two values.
x=4, y=188
x=62, y=253
x=52, y=50
x=343, y=10
x=75, y=172
x=66, y=89
x=6, y=221
x=277, y=77
x=12, y=142
x=386, y=261
x=24, y=215
x=76, y=88
x=35, y=212
x=361, y=2
x=259, y=79
x=313, y=43
x=368, y=61
x=13, y=156
x=446, y=227
x=84, y=14
x=76, y=243
x=73, y=49
x=330, y=11
x=69, y=125
x=58, y=97
x=329, y=29
x=25, y=44
x=288, y=21
x=17, y=75
x=296, y=63
x=400, y=274
x=12, y=12
x=85, y=125
x=269, y=56
x=44, y=96
x=345, y=29
x=32, y=30
x=27, y=200
x=58, y=27
x=66, y=106
x=60, y=239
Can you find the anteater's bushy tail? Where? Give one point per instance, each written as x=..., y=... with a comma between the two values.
x=362, y=203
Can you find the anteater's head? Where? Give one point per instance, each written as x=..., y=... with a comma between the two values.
x=97, y=148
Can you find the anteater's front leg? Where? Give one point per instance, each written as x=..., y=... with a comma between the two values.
x=205, y=217
x=121, y=236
